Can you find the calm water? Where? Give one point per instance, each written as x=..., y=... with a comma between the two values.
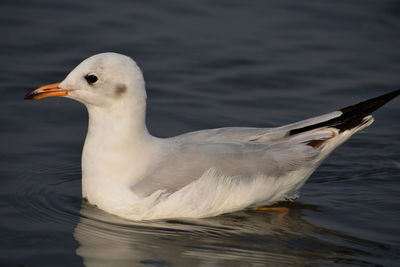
x=207, y=64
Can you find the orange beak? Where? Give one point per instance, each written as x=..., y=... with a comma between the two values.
x=47, y=91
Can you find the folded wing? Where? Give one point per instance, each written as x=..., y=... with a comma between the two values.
x=247, y=152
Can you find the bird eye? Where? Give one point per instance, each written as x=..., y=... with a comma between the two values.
x=91, y=78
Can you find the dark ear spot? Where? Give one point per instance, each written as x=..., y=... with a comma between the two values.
x=120, y=89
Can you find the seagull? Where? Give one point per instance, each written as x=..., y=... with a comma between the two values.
x=130, y=173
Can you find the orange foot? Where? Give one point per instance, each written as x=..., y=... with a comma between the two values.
x=282, y=210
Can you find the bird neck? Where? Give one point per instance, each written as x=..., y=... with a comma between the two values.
x=116, y=141
x=123, y=124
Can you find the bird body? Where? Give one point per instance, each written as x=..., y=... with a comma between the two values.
x=132, y=174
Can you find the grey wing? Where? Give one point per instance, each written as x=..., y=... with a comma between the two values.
x=248, y=134
x=233, y=151
x=247, y=151
x=186, y=162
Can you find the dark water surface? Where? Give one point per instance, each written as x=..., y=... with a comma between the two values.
x=207, y=64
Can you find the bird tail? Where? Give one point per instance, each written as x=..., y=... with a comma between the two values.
x=351, y=116
x=349, y=120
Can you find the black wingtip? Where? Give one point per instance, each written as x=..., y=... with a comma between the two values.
x=352, y=115
x=370, y=105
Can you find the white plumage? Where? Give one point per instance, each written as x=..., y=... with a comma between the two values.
x=132, y=174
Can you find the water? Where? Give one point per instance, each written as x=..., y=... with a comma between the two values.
x=207, y=64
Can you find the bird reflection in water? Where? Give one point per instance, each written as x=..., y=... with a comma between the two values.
x=266, y=237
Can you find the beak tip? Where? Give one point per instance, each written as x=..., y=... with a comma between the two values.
x=30, y=95
x=47, y=91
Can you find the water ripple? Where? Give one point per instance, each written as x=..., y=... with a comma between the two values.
x=50, y=195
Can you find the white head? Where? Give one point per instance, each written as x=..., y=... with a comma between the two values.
x=101, y=81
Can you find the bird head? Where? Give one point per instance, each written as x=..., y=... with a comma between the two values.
x=101, y=80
